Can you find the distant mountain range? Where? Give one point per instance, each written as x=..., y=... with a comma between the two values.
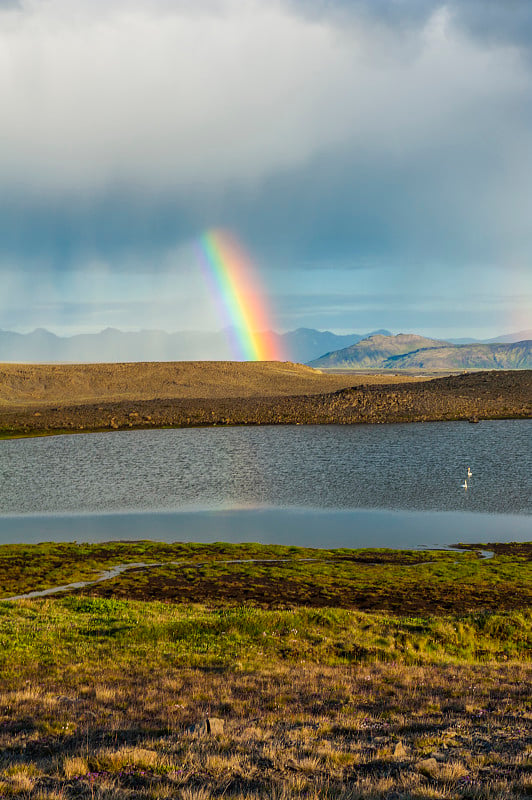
x=375, y=350
x=407, y=351
x=111, y=345
x=508, y=338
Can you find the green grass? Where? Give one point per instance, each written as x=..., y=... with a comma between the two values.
x=444, y=583
x=98, y=694
x=400, y=582
x=80, y=632
x=28, y=567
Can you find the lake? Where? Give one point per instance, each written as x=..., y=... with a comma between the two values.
x=360, y=485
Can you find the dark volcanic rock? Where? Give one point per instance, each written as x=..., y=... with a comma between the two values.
x=486, y=395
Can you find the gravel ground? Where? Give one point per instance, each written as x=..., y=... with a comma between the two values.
x=472, y=396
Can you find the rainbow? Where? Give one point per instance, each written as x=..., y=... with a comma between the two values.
x=239, y=296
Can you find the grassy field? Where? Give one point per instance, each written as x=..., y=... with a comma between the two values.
x=40, y=566
x=274, y=576
x=107, y=696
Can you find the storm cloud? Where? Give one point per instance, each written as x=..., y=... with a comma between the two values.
x=340, y=138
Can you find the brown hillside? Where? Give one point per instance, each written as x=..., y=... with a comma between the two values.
x=373, y=351
x=59, y=384
x=482, y=395
x=517, y=355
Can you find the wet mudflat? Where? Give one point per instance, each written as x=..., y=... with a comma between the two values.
x=382, y=581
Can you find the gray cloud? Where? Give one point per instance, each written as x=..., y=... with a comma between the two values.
x=332, y=136
x=489, y=21
x=495, y=22
x=401, y=313
x=186, y=120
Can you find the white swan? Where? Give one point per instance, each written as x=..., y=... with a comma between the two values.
x=469, y=473
x=464, y=485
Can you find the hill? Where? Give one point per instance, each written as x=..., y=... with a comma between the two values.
x=505, y=338
x=305, y=344
x=484, y=395
x=517, y=355
x=371, y=353
x=60, y=384
x=510, y=338
x=406, y=351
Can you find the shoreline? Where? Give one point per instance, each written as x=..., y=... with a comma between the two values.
x=460, y=578
x=354, y=528
x=118, y=569
x=36, y=434
x=469, y=397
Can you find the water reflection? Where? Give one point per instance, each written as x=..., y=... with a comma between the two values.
x=408, y=467
x=303, y=527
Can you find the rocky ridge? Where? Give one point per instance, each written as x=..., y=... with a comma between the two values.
x=473, y=396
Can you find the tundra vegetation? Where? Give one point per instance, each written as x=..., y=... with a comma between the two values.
x=327, y=685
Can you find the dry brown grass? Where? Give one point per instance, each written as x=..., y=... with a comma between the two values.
x=69, y=384
x=364, y=731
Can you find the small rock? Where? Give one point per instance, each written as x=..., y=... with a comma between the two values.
x=400, y=751
x=438, y=756
x=428, y=766
x=211, y=725
x=215, y=725
x=63, y=698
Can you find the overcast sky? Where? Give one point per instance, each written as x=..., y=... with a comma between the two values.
x=374, y=157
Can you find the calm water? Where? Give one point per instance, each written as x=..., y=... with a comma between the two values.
x=273, y=483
